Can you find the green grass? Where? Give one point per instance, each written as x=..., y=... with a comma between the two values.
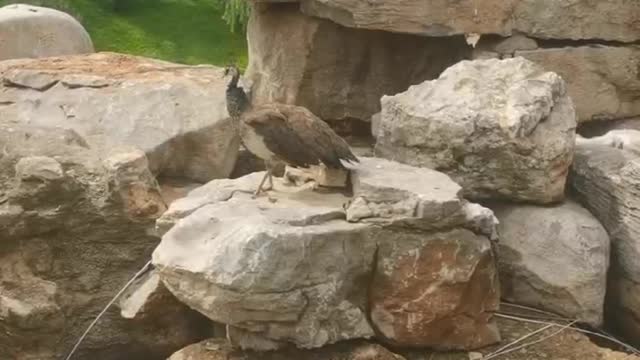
x=182, y=31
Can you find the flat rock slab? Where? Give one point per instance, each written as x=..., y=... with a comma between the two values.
x=216, y=349
x=175, y=114
x=549, y=19
x=606, y=177
x=502, y=129
x=289, y=268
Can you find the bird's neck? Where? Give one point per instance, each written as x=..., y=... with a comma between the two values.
x=234, y=80
x=237, y=100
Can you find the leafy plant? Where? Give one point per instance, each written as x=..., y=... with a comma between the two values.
x=236, y=13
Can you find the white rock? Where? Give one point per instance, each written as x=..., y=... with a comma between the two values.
x=40, y=168
x=28, y=31
x=500, y=128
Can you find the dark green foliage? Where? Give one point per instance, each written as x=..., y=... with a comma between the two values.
x=183, y=31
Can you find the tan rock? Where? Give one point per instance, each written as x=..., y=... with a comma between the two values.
x=602, y=80
x=336, y=72
x=28, y=31
x=319, y=175
x=606, y=20
x=74, y=228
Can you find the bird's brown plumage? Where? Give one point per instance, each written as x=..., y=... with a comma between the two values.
x=284, y=133
x=298, y=137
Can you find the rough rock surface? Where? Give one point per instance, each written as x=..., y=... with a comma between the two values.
x=214, y=349
x=28, y=31
x=74, y=224
x=550, y=19
x=500, y=128
x=605, y=178
x=336, y=72
x=149, y=305
x=289, y=267
x=535, y=242
x=176, y=114
x=565, y=345
x=602, y=80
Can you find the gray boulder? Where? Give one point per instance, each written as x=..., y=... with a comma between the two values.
x=28, y=31
x=500, y=128
x=605, y=177
x=290, y=268
x=554, y=258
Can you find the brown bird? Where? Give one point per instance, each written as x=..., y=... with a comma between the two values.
x=284, y=133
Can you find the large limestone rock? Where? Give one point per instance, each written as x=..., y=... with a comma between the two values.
x=28, y=31
x=290, y=268
x=74, y=227
x=176, y=114
x=584, y=19
x=605, y=178
x=601, y=80
x=535, y=242
x=336, y=72
x=215, y=349
x=500, y=128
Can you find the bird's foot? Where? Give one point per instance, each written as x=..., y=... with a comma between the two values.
x=257, y=194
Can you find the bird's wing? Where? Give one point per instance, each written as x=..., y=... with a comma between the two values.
x=318, y=135
x=269, y=123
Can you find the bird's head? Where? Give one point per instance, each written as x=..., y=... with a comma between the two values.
x=231, y=70
x=235, y=75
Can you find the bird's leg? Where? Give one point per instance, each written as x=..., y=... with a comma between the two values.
x=268, y=175
x=269, y=171
x=261, y=184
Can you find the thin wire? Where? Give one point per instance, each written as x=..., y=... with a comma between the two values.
x=534, y=310
x=563, y=328
x=518, y=340
x=95, y=321
x=594, y=333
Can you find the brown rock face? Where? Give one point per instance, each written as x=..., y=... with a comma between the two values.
x=602, y=80
x=584, y=19
x=436, y=290
x=215, y=349
x=336, y=72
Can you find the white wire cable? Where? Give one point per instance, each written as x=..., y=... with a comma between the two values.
x=95, y=321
